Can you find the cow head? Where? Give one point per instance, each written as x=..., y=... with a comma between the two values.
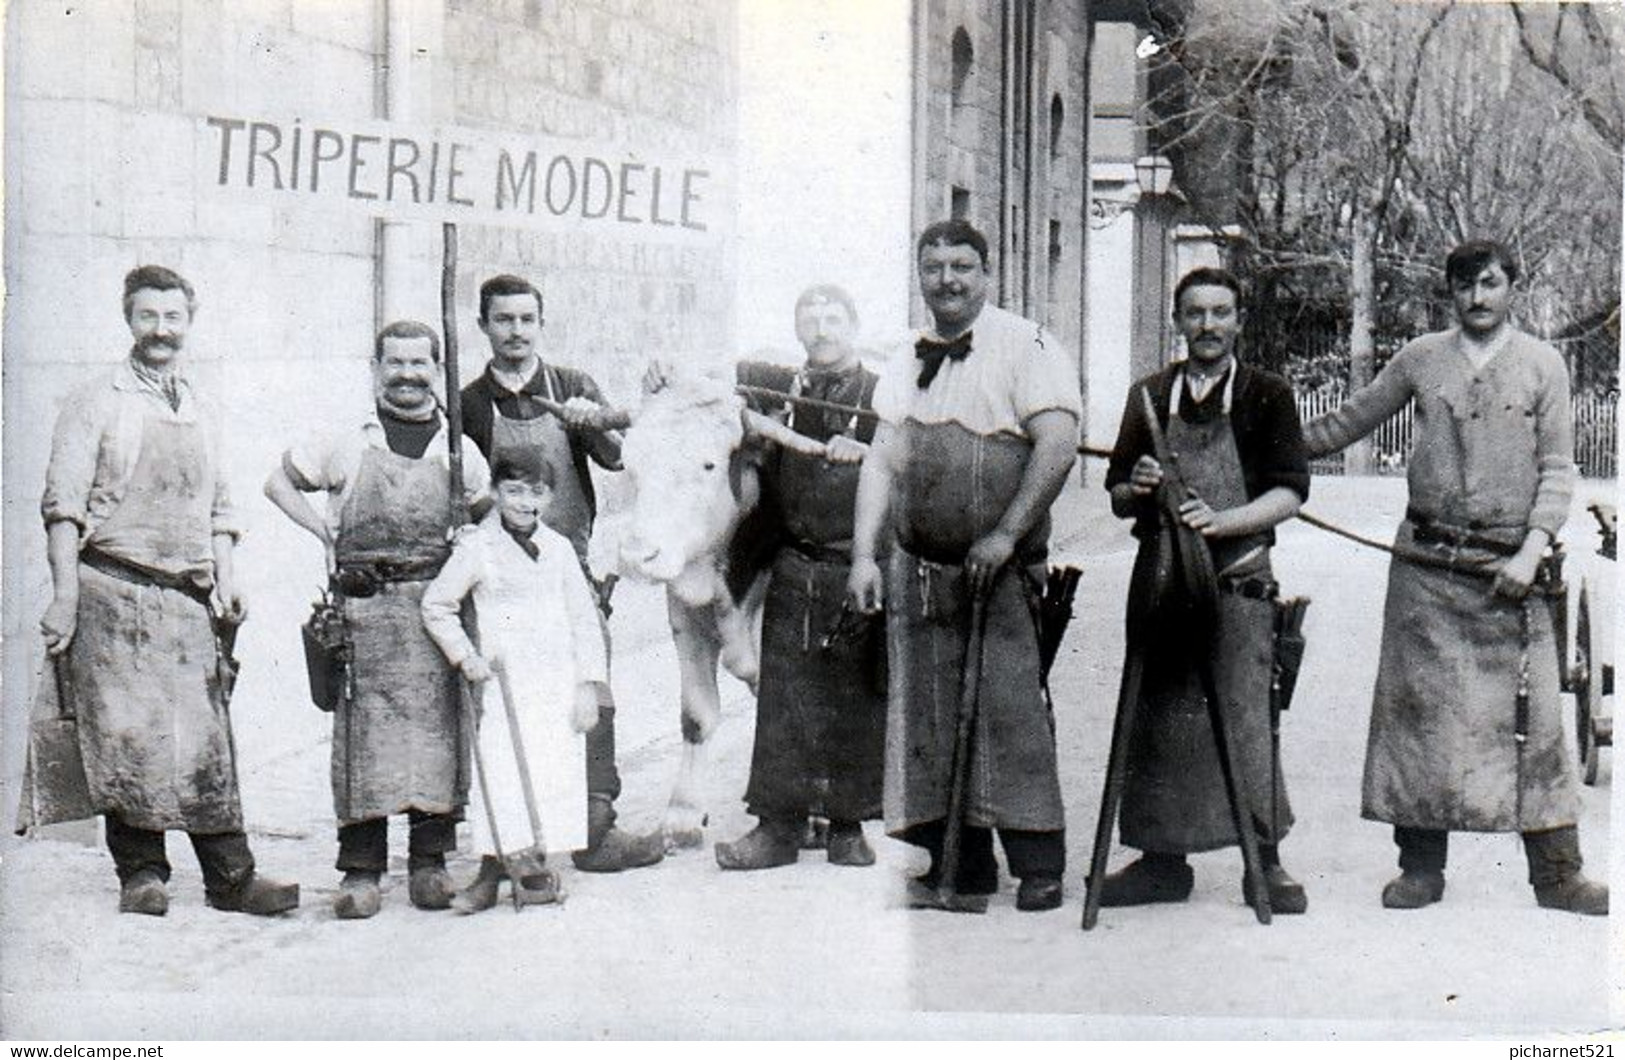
x=689, y=483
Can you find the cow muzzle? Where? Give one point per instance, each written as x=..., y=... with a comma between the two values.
x=645, y=558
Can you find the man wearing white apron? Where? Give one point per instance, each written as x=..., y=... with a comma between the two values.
x=1466, y=721
x=977, y=433
x=398, y=739
x=142, y=530
x=521, y=401
x=1235, y=433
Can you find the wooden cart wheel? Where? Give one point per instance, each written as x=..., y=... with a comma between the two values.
x=1587, y=684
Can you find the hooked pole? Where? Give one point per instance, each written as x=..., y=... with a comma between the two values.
x=459, y=508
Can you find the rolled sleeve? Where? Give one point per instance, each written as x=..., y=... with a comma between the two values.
x=71, y=474
x=223, y=516
x=315, y=464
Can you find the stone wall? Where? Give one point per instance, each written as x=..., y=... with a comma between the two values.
x=970, y=118
x=109, y=166
x=658, y=76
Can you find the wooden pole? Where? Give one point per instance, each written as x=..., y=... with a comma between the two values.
x=454, y=390
x=459, y=506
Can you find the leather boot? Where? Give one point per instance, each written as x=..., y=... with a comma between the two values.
x=430, y=887
x=1148, y=879
x=922, y=893
x=257, y=896
x=1286, y=895
x=144, y=893
x=541, y=887
x=1575, y=894
x=481, y=892
x=1035, y=894
x=609, y=849
x=1413, y=889
x=772, y=843
x=358, y=897
x=847, y=845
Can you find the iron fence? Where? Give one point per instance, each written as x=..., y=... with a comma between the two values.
x=1596, y=438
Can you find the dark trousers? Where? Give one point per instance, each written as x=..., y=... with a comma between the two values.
x=364, y=845
x=1027, y=853
x=1553, y=854
x=603, y=779
x=224, y=857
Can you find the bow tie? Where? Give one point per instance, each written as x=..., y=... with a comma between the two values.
x=932, y=353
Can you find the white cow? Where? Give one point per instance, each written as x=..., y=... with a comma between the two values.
x=693, y=482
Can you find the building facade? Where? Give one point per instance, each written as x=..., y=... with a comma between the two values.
x=296, y=160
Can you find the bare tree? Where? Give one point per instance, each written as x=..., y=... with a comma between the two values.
x=1579, y=47
x=1352, y=140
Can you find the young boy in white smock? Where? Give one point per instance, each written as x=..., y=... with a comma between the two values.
x=540, y=659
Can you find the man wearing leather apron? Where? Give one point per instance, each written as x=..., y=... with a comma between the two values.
x=977, y=434
x=141, y=533
x=549, y=409
x=1235, y=432
x=1466, y=718
x=820, y=707
x=399, y=746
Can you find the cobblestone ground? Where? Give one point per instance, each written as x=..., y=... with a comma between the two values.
x=815, y=950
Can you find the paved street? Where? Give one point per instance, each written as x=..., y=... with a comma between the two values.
x=815, y=950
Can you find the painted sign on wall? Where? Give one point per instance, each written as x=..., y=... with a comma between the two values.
x=460, y=174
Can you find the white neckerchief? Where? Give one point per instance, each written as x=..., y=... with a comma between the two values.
x=1184, y=383
x=501, y=377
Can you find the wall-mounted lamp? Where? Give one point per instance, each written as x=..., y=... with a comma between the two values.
x=1154, y=174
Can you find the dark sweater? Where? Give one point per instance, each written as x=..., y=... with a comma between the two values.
x=485, y=397
x=1263, y=418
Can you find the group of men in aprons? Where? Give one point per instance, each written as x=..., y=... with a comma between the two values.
x=930, y=502
x=141, y=529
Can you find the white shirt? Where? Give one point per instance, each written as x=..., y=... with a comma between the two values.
x=1015, y=370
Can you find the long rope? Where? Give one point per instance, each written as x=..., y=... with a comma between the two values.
x=1421, y=559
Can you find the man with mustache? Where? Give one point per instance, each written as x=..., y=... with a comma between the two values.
x=1466, y=723
x=398, y=740
x=820, y=710
x=1235, y=431
x=549, y=409
x=977, y=433
x=141, y=532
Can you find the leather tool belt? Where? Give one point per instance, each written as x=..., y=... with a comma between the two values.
x=1431, y=532
x=361, y=580
x=113, y=567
